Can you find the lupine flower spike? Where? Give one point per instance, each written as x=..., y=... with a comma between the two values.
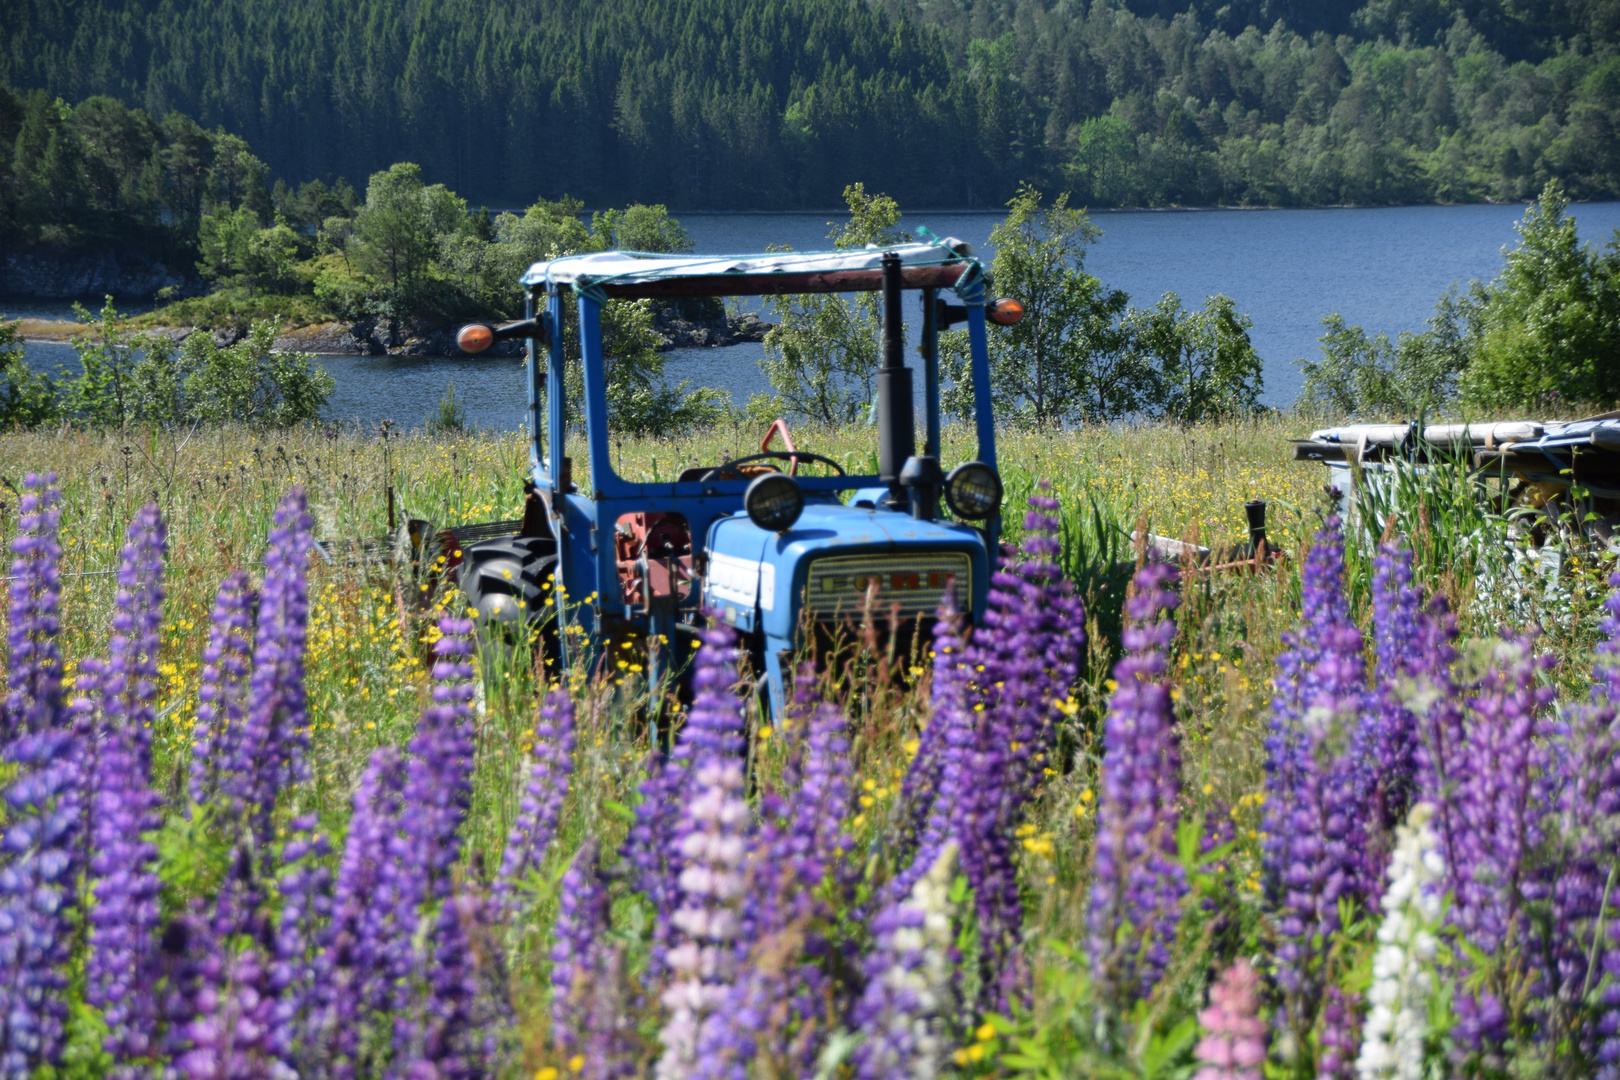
x=125, y=912
x=1137, y=882
x=1316, y=771
x=582, y=924
x=538, y=814
x=909, y=988
x=34, y=682
x=305, y=887
x=43, y=804
x=275, y=737
x=1403, y=967
x=1234, y=1042
x=217, y=747
x=712, y=844
x=1397, y=634
x=354, y=966
x=1501, y=814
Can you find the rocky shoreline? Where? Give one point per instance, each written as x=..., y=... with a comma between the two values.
x=379, y=337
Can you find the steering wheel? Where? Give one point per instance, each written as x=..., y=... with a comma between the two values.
x=776, y=455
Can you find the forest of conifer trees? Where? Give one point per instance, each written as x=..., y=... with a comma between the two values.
x=780, y=103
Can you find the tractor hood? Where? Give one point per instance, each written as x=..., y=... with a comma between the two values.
x=758, y=579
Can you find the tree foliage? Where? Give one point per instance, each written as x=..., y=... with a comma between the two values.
x=779, y=103
x=1203, y=365
x=1544, y=334
x=1081, y=353
x=27, y=397
x=823, y=355
x=126, y=378
x=1062, y=362
x=1548, y=328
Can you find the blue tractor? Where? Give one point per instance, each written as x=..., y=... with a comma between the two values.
x=774, y=554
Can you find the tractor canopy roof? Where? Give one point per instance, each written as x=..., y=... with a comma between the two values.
x=941, y=263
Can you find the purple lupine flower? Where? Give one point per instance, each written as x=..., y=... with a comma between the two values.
x=1495, y=794
x=909, y=996
x=951, y=677
x=951, y=727
x=1397, y=636
x=1137, y=881
x=815, y=842
x=305, y=887
x=353, y=969
x=40, y=847
x=222, y=693
x=970, y=807
x=438, y=791
x=649, y=850
x=37, y=883
x=1032, y=645
x=1580, y=794
x=712, y=850
x=582, y=924
x=1608, y=651
x=124, y=917
x=34, y=685
x=1317, y=778
x=1439, y=756
x=1234, y=1042
x=443, y=1036
x=1002, y=689
x=275, y=735
x=438, y=788
x=1025, y=661
x=652, y=846
x=231, y=1035
x=1591, y=807
x=1501, y=817
x=609, y=1049
x=128, y=685
x=1340, y=1035
x=782, y=991
x=541, y=808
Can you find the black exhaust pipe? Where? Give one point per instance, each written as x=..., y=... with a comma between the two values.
x=897, y=437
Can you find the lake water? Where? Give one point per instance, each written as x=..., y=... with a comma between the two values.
x=1381, y=269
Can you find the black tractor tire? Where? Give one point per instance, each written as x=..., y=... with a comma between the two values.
x=509, y=582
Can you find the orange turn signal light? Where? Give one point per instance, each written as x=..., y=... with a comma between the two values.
x=475, y=337
x=1005, y=312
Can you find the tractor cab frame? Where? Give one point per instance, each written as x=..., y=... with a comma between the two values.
x=763, y=550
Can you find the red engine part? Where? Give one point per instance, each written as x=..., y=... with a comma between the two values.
x=654, y=554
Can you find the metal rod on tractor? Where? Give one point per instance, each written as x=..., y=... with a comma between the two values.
x=897, y=437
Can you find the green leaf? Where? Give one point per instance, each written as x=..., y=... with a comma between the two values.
x=1166, y=1048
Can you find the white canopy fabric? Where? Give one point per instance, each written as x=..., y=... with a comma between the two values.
x=634, y=267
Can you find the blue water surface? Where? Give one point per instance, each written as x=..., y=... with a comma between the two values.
x=1382, y=269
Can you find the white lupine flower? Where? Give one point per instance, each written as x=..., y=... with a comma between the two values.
x=1403, y=980
x=901, y=1009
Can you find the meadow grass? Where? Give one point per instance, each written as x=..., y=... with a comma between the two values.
x=370, y=633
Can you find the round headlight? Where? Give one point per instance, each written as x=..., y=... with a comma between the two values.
x=973, y=490
x=774, y=501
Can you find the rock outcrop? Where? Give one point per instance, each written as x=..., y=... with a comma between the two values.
x=123, y=275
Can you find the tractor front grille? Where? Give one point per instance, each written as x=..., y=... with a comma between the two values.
x=839, y=585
